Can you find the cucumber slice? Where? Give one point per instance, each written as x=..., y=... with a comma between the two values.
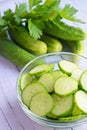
x=51, y=116
x=41, y=69
x=76, y=73
x=57, y=74
x=83, y=80
x=41, y=104
x=30, y=91
x=48, y=81
x=76, y=111
x=81, y=100
x=62, y=105
x=67, y=66
x=71, y=118
x=25, y=80
x=65, y=85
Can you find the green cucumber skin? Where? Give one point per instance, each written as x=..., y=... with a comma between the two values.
x=71, y=118
x=81, y=84
x=14, y=53
x=53, y=44
x=21, y=36
x=77, y=47
x=65, y=32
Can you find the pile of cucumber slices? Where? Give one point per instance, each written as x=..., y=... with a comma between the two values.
x=58, y=94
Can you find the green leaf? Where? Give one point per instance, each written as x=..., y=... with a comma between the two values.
x=50, y=3
x=20, y=10
x=8, y=15
x=20, y=13
x=58, y=22
x=68, y=13
x=18, y=20
x=68, y=10
x=34, y=3
x=39, y=23
x=3, y=22
x=40, y=11
x=34, y=31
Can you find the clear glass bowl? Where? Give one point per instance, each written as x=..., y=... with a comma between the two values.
x=51, y=58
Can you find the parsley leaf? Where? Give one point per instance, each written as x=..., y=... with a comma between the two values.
x=40, y=12
x=20, y=10
x=20, y=13
x=8, y=15
x=3, y=22
x=34, y=3
x=38, y=15
x=68, y=13
x=34, y=31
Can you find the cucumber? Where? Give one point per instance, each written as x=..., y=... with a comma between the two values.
x=53, y=44
x=57, y=73
x=41, y=104
x=67, y=66
x=30, y=90
x=47, y=80
x=14, y=53
x=64, y=31
x=83, y=79
x=41, y=69
x=3, y=34
x=25, y=80
x=21, y=36
x=65, y=85
x=50, y=115
x=81, y=100
x=77, y=47
x=55, y=95
x=76, y=111
x=62, y=105
x=76, y=73
x=71, y=118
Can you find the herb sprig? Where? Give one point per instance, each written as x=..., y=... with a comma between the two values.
x=37, y=15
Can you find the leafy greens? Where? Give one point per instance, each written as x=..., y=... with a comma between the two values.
x=37, y=15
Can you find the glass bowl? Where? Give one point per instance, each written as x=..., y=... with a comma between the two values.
x=51, y=58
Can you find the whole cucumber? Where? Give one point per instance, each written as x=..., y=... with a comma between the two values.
x=14, y=53
x=21, y=36
x=77, y=47
x=64, y=31
x=53, y=44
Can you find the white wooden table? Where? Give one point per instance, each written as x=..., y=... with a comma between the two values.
x=11, y=115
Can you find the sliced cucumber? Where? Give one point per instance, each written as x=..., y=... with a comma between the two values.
x=41, y=104
x=48, y=81
x=30, y=91
x=71, y=118
x=76, y=73
x=76, y=111
x=50, y=115
x=83, y=80
x=67, y=66
x=25, y=80
x=65, y=85
x=41, y=69
x=81, y=100
x=57, y=74
x=62, y=105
